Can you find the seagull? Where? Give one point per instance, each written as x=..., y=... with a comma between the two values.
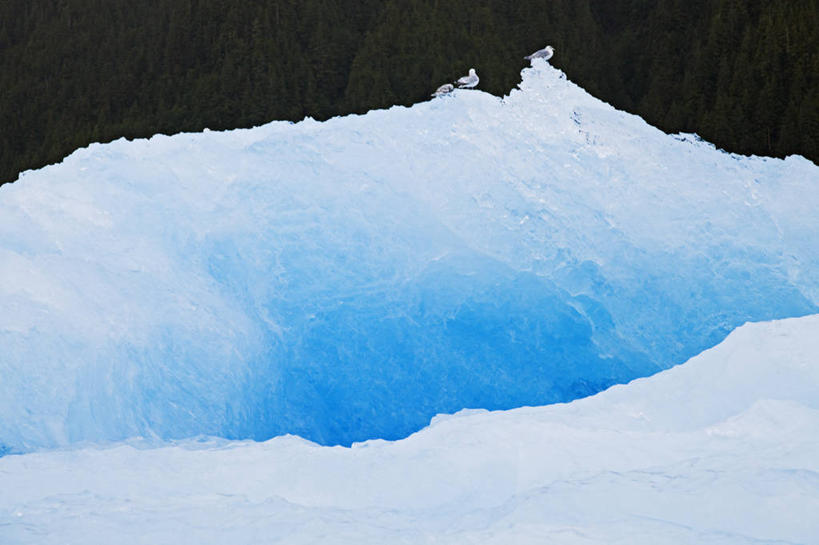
x=545, y=54
x=470, y=81
x=444, y=89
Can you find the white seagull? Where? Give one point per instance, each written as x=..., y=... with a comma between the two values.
x=444, y=89
x=545, y=54
x=470, y=81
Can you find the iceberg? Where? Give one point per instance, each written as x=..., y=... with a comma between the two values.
x=348, y=280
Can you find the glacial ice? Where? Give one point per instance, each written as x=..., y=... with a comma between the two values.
x=723, y=449
x=350, y=279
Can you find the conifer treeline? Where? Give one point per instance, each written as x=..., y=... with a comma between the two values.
x=743, y=74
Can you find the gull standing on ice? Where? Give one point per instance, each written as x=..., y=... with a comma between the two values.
x=470, y=81
x=444, y=89
x=545, y=54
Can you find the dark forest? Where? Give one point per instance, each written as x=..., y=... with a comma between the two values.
x=742, y=74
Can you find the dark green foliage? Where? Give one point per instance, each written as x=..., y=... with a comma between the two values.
x=741, y=74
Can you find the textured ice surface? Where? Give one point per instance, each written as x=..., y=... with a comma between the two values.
x=722, y=450
x=349, y=279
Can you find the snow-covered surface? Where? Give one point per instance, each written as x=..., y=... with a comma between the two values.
x=350, y=279
x=723, y=449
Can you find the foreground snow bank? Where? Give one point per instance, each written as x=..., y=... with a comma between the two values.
x=350, y=279
x=723, y=449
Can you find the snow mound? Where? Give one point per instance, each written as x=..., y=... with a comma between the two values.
x=350, y=279
x=723, y=449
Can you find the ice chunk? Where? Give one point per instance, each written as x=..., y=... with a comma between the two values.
x=350, y=279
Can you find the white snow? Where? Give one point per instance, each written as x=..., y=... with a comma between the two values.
x=723, y=449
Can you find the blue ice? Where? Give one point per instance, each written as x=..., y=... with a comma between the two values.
x=350, y=279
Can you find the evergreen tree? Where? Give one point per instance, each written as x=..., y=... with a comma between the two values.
x=741, y=74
